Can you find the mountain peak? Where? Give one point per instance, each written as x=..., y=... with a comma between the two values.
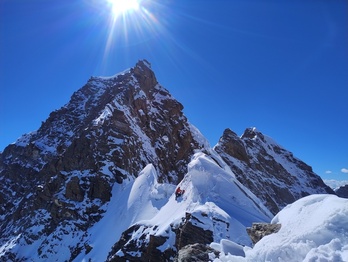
x=252, y=133
x=143, y=63
x=257, y=160
x=228, y=133
x=113, y=157
x=144, y=75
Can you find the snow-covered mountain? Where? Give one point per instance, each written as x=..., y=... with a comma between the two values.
x=97, y=180
x=260, y=162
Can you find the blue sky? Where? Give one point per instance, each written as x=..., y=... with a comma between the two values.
x=280, y=66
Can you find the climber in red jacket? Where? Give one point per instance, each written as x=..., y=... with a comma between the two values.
x=179, y=192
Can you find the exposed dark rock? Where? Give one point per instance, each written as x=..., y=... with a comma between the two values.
x=73, y=190
x=128, y=249
x=99, y=188
x=195, y=253
x=188, y=233
x=234, y=146
x=259, y=230
x=258, y=162
x=342, y=191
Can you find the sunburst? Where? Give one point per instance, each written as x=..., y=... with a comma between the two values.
x=120, y=7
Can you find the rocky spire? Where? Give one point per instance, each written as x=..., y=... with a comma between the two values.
x=145, y=76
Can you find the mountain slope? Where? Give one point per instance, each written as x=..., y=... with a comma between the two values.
x=259, y=162
x=215, y=206
x=57, y=181
x=97, y=180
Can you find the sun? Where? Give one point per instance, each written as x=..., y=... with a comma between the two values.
x=120, y=7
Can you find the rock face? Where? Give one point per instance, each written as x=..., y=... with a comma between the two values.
x=342, y=191
x=195, y=253
x=54, y=181
x=259, y=230
x=130, y=248
x=272, y=173
x=188, y=233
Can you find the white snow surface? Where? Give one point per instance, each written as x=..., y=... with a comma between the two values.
x=131, y=202
x=212, y=195
x=314, y=228
x=115, y=75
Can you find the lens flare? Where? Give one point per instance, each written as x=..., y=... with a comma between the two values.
x=120, y=7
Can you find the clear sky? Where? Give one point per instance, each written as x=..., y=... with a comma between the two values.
x=281, y=66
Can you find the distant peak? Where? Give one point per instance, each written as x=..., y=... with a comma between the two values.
x=142, y=63
x=229, y=133
x=252, y=133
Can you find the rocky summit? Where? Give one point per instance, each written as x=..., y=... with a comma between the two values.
x=97, y=180
x=271, y=172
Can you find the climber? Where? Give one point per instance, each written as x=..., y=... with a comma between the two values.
x=179, y=192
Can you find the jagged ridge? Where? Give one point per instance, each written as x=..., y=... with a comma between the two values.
x=81, y=170
x=57, y=179
x=259, y=162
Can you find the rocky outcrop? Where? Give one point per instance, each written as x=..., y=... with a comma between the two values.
x=259, y=230
x=342, y=191
x=188, y=233
x=130, y=249
x=73, y=190
x=259, y=162
x=136, y=244
x=195, y=253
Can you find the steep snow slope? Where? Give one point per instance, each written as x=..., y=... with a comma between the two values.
x=212, y=191
x=314, y=228
x=212, y=195
x=132, y=202
x=213, y=201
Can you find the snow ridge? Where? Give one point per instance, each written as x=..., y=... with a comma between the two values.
x=97, y=182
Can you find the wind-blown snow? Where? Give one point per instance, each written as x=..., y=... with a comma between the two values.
x=131, y=202
x=215, y=198
x=114, y=76
x=314, y=228
x=212, y=195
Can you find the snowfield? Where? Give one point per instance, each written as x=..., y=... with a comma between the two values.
x=314, y=228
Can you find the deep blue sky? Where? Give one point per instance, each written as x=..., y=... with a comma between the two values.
x=281, y=66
